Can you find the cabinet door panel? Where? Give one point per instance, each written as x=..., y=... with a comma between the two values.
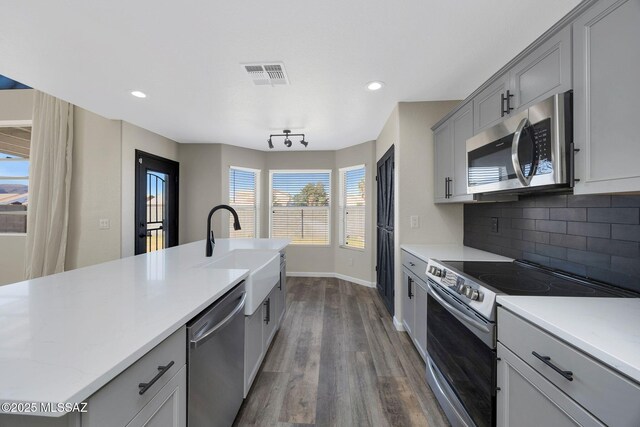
x=252, y=347
x=526, y=399
x=408, y=302
x=420, y=327
x=487, y=107
x=443, y=160
x=462, y=125
x=606, y=92
x=168, y=408
x=269, y=318
x=544, y=72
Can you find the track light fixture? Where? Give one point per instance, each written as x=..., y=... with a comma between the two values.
x=287, y=142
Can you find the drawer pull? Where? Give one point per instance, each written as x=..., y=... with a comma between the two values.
x=163, y=369
x=412, y=264
x=568, y=375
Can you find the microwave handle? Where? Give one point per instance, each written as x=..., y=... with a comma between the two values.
x=524, y=180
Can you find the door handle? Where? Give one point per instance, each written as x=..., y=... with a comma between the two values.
x=267, y=318
x=505, y=100
x=568, y=375
x=223, y=322
x=457, y=313
x=515, y=158
x=163, y=370
x=409, y=283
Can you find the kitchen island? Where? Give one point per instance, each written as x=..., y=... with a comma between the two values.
x=65, y=336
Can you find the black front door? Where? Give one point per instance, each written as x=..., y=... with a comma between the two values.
x=384, y=251
x=156, y=218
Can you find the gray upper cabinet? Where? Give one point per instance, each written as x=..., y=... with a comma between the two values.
x=450, y=141
x=606, y=66
x=544, y=72
x=488, y=105
x=462, y=127
x=443, y=161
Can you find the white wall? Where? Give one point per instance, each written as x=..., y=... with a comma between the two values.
x=95, y=190
x=204, y=183
x=135, y=138
x=12, y=256
x=351, y=262
x=15, y=106
x=200, y=189
x=409, y=129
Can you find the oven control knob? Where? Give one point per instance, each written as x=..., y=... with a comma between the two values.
x=472, y=294
x=438, y=273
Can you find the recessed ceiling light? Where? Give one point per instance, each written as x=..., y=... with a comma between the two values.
x=138, y=94
x=375, y=85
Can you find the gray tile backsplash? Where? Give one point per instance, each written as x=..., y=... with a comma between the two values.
x=597, y=236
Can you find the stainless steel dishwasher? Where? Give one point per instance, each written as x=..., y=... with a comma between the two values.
x=215, y=363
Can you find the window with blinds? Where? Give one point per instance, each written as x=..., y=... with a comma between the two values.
x=300, y=206
x=352, y=207
x=243, y=197
x=14, y=178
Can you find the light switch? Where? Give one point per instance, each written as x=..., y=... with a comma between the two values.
x=415, y=221
x=104, y=224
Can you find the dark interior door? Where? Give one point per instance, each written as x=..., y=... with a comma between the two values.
x=156, y=222
x=384, y=251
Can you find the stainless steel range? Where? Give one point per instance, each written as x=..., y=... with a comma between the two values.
x=461, y=327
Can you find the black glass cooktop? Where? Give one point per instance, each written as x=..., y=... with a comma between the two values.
x=520, y=278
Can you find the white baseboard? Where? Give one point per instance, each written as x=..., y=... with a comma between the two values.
x=398, y=324
x=332, y=275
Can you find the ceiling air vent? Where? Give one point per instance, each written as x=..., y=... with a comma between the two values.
x=272, y=73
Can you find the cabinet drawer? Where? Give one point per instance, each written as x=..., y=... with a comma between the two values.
x=415, y=265
x=609, y=396
x=119, y=401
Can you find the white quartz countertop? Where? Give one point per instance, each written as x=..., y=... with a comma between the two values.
x=605, y=328
x=451, y=252
x=64, y=336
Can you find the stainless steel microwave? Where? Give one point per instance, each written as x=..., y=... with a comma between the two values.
x=531, y=150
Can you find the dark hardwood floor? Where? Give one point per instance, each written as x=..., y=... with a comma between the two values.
x=338, y=361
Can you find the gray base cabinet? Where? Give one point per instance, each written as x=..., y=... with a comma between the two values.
x=414, y=301
x=557, y=380
x=119, y=403
x=526, y=399
x=261, y=328
x=606, y=67
x=253, y=348
x=168, y=407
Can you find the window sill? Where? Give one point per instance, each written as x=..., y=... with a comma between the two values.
x=353, y=248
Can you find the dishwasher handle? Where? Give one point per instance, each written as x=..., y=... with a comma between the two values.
x=224, y=322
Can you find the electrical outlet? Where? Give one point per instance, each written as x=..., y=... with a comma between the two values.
x=415, y=221
x=104, y=224
x=494, y=224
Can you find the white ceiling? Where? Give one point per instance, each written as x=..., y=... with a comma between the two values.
x=186, y=56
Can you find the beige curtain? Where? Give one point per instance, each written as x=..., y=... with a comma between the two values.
x=49, y=185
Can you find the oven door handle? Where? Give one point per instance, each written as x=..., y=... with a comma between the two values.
x=457, y=313
x=515, y=158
